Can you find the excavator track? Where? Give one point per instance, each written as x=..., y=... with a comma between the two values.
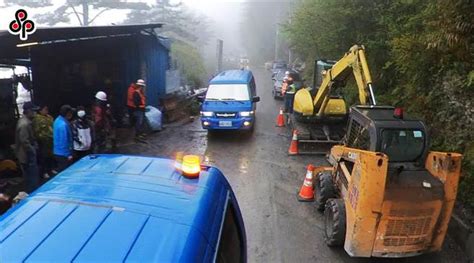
x=316, y=138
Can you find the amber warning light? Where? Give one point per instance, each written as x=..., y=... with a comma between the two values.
x=188, y=165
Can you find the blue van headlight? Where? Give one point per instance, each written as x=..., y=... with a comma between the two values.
x=207, y=113
x=246, y=113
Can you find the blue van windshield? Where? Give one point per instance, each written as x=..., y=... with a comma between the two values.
x=228, y=92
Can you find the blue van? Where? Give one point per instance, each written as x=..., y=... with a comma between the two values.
x=118, y=208
x=230, y=101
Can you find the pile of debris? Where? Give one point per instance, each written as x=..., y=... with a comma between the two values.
x=181, y=105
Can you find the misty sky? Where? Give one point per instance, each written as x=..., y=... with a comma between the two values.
x=208, y=7
x=225, y=21
x=223, y=13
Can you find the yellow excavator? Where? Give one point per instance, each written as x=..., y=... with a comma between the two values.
x=321, y=119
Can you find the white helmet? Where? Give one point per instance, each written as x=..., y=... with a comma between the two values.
x=141, y=82
x=101, y=96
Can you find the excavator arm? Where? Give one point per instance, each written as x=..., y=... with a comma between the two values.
x=353, y=62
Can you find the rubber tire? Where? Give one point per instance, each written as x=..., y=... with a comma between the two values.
x=335, y=222
x=251, y=130
x=211, y=133
x=324, y=190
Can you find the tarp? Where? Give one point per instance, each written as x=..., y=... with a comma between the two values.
x=153, y=117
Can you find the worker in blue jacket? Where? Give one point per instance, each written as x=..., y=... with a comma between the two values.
x=62, y=138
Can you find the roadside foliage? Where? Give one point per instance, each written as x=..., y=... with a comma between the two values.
x=190, y=63
x=421, y=58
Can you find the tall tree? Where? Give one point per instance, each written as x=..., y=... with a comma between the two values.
x=180, y=22
x=327, y=29
x=82, y=10
x=260, y=32
x=189, y=31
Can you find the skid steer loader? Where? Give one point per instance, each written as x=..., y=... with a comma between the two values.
x=386, y=194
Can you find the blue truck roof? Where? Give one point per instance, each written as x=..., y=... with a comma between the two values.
x=110, y=208
x=236, y=76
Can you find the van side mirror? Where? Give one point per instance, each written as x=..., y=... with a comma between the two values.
x=256, y=99
x=201, y=98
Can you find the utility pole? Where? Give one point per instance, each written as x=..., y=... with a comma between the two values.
x=85, y=13
x=290, y=13
x=220, y=48
x=276, y=43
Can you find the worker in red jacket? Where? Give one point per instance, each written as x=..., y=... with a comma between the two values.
x=136, y=103
x=101, y=118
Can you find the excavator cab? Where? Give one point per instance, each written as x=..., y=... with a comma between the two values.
x=321, y=67
x=386, y=194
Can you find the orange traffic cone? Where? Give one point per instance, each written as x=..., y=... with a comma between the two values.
x=294, y=144
x=306, y=193
x=280, y=119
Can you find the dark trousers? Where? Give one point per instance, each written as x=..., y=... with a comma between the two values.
x=31, y=173
x=100, y=141
x=131, y=118
x=80, y=154
x=62, y=162
x=45, y=163
x=289, y=98
x=139, y=116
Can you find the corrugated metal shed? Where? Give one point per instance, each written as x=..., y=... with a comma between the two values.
x=70, y=64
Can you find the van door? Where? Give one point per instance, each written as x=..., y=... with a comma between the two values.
x=253, y=92
x=232, y=243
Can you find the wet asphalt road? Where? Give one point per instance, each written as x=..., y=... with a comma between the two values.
x=265, y=180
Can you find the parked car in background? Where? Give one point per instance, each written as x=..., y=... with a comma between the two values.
x=277, y=83
x=244, y=63
x=268, y=65
x=279, y=65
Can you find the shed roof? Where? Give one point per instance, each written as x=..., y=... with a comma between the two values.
x=9, y=42
x=118, y=208
x=232, y=77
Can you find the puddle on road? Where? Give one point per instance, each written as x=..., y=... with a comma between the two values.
x=243, y=164
x=207, y=160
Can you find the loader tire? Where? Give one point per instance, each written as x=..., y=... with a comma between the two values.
x=324, y=190
x=335, y=222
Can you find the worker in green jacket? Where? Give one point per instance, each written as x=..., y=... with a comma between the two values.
x=289, y=97
x=43, y=129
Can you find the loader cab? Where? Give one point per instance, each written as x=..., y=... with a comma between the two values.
x=385, y=129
